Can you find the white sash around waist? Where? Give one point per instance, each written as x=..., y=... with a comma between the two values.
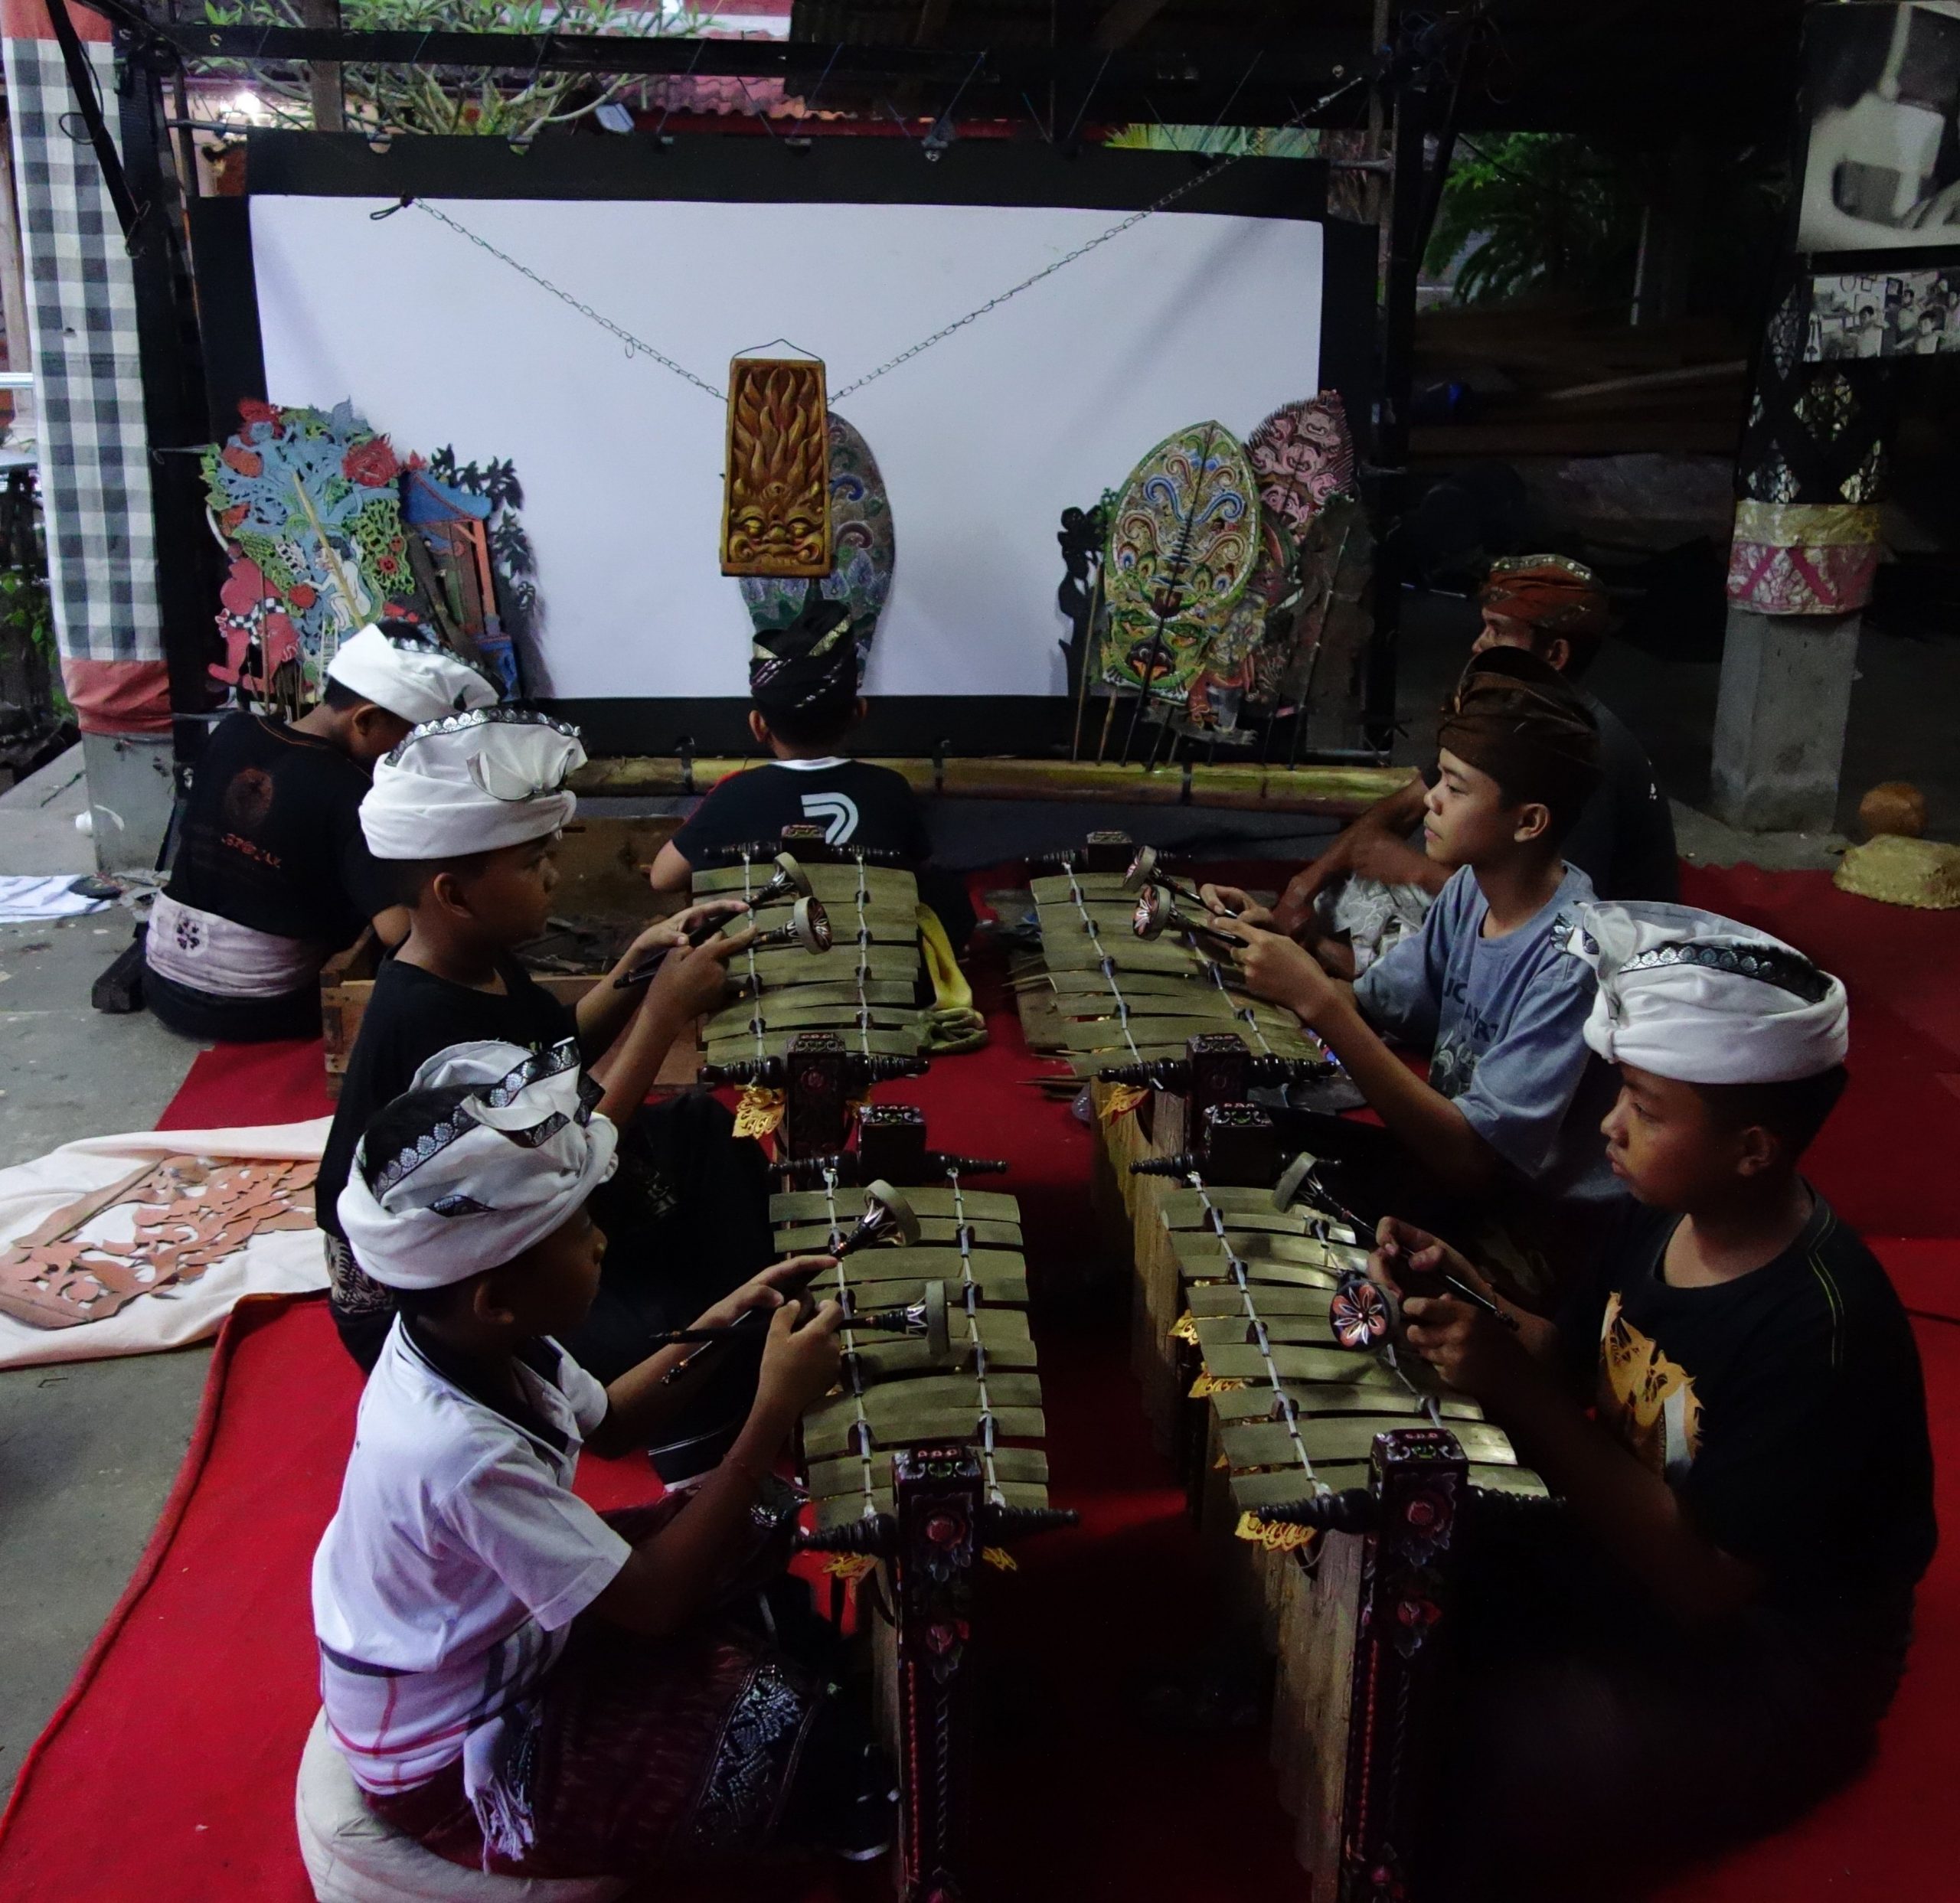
x=227, y=959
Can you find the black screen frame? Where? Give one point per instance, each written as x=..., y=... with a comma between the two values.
x=724, y=169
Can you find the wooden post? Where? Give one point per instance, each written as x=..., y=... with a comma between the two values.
x=329, y=102
x=1407, y=233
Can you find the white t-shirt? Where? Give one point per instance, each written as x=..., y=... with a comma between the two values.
x=459, y=1554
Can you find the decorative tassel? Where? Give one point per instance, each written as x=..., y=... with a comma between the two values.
x=760, y=1113
x=497, y=1761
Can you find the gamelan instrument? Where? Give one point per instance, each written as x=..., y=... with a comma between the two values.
x=1130, y=997
x=861, y=984
x=1366, y=1312
x=1173, y=1116
x=1342, y=1482
x=788, y=882
x=1332, y=1486
x=928, y=1463
x=1147, y=869
x=1156, y=912
x=808, y=925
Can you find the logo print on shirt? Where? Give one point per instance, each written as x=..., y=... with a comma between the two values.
x=248, y=799
x=837, y=813
x=1646, y=1398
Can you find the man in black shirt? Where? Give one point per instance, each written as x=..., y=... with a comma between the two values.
x=1699, y=1644
x=1371, y=886
x=803, y=679
x=272, y=875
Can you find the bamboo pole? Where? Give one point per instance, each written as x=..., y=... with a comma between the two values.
x=1339, y=792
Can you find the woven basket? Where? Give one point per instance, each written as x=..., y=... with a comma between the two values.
x=1898, y=871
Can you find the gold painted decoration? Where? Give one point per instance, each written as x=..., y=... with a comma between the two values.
x=849, y=1567
x=775, y=505
x=1808, y=525
x=1275, y=1539
x=1804, y=558
x=759, y=1111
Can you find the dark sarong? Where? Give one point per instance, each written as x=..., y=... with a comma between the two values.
x=1595, y=1747
x=640, y=1754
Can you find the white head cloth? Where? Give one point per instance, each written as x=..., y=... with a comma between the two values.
x=502, y=1170
x=412, y=675
x=1692, y=996
x=471, y=783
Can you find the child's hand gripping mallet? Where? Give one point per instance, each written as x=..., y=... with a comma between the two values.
x=1144, y=870
x=808, y=925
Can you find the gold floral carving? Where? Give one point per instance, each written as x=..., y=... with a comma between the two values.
x=188, y=1213
x=775, y=505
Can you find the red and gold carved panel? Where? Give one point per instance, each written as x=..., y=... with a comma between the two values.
x=776, y=507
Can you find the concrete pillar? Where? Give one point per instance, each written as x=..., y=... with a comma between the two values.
x=129, y=797
x=1780, y=718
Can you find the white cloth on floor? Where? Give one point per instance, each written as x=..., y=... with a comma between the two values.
x=24, y=901
x=280, y=1261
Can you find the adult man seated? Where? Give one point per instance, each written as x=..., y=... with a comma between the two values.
x=1374, y=885
x=272, y=875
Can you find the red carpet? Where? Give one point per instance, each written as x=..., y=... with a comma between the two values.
x=241, y=1086
x=168, y=1772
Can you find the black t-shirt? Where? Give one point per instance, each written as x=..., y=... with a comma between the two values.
x=858, y=805
x=1623, y=840
x=271, y=836
x=1785, y=1408
x=411, y=1015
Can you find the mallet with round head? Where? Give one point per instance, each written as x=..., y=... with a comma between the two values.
x=888, y=1219
x=1146, y=869
x=1157, y=913
x=788, y=882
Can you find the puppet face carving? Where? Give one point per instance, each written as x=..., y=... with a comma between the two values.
x=777, y=520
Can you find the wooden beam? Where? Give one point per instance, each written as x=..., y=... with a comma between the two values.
x=1341, y=791
x=1123, y=21
x=324, y=76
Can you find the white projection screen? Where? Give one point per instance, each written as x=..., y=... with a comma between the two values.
x=983, y=440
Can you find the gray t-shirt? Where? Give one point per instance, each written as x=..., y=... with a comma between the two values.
x=1503, y=1018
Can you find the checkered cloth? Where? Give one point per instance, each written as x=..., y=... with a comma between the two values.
x=95, y=484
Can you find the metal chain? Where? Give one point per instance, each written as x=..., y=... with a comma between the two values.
x=637, y=347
